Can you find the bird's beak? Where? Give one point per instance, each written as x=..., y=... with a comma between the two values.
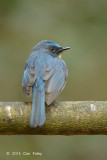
x=65, y=48
x=61, y=50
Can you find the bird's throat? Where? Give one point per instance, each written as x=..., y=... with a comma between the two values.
x=60, y=55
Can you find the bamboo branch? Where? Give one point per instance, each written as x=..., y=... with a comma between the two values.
x=63, y=118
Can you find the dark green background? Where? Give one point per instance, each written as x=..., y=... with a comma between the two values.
x=80, y=24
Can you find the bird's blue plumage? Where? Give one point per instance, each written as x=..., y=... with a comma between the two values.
x=38, y=106
x=44, y=75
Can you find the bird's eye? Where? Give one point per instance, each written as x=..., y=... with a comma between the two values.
x=52, y=49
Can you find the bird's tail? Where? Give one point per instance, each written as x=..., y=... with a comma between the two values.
x=37, y=117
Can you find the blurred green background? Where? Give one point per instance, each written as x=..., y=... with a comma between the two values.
x=80, y=24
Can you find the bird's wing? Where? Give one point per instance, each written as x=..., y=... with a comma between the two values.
x=55, y=80
x=29, y=77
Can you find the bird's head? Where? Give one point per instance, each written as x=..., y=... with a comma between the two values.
x=50, y=47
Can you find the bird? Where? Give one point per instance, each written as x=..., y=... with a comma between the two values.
x=45, y=74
